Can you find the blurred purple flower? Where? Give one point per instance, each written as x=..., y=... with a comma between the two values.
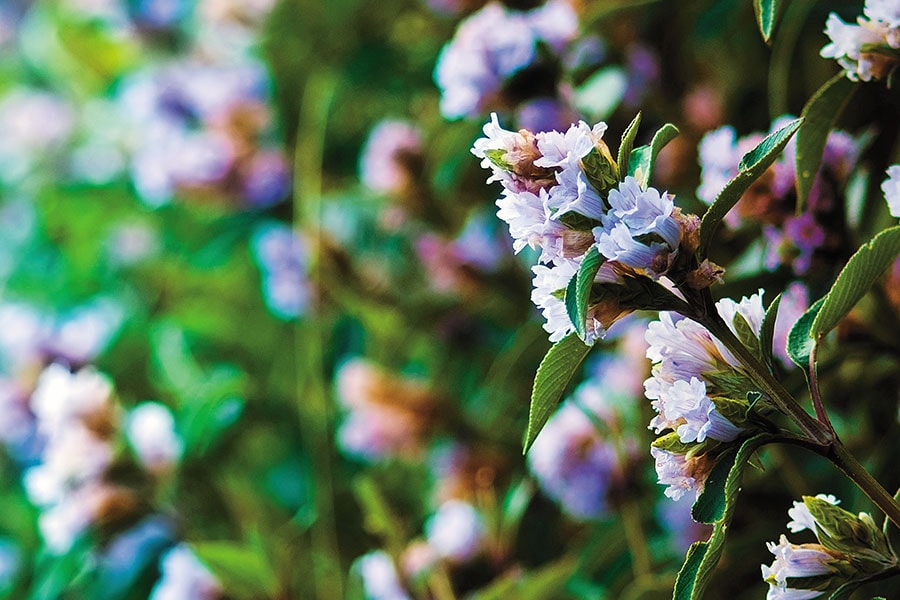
x=281, y=255
x=492, y=45
x=385, y=161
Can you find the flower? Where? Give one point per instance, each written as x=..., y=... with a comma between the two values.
x=855, y=47
x=386, y=162
x=794, y=302
x=802, y=519
x=795, y=561
x=891, y=189
x=151, y=432
x=491, y=46
x=673, y=470
x=574, y=462
x=456, y=531
x=184, y=576
x=379, y=577
x=281, y=255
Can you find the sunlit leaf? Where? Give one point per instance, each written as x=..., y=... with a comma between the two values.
x=752, y=166
x=553, y=375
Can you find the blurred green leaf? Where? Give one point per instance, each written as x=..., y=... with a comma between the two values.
x=243, y=572
x=601, y=94
x=766, y=15
x=855, y=279
x=819, y=116
x=751, y=167
x=553, y=375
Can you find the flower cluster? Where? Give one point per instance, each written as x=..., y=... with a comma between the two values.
x=870, y=49
x=699, y=391
x=562, y=194
x=387, y=415
x=791, y=239
x=849, y=548
x=76, y=419
x=496, y=47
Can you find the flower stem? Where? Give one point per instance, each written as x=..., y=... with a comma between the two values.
x=847, y=463
x=821, y=413
x=812, y=428
x=634, y=536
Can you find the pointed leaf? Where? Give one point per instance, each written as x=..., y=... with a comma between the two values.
x=767, y=332
x=644, y=157
x=578, y=291
x=766, y=13
x=845, y=591
x=819, y=116
x=855, y=279
x=715, y=505
x=745, y=333
x=800, y=344
x=627, y=145
x=553, y=375
x=752, y=166
x=240, y=570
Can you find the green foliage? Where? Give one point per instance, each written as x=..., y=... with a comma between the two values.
x=643, y=158
x=626, y=146
x=715, y=505
x=767, y=331
x=855, y=279
x=751, y=167
x=766, y=16
x=819, y=116
x=242, y=570
x=578, y=292
x=800, y=344
x=553, y=376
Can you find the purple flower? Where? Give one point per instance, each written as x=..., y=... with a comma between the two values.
x=281, y=255
x=384, y=164
x=493, y=44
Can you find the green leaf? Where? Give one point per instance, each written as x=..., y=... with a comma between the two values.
x=845, y=591
x=856, y=278
x=644, y=157
x=578, y=291
x=745, y=333
x=752, y=166
x=601, y=94
x=799, y=344
x=240, y=570
x=715, y=505
x=767, y=332
x=766, y=13
x=627, y=145
x=819, y=116
x=553, y=375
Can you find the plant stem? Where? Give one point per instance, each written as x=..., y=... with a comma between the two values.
x=634, y=536
x=814, y=430
x=312, y=391
x=821, y=413
x=847, y=463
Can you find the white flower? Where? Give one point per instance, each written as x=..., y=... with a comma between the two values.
x=891, y=189
x=807, y=560
x=685, y=407
x=719, y=158
x=802, y=519
x=527, y=216
x=886, y=11
x=62, y=396
x=379, y=577
x=184, y=576
x=456, y=531
x=645, y=211
x=548, y=283
x=151, y=431
x=671, y=469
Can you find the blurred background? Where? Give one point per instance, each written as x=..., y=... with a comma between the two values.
x=263, y=336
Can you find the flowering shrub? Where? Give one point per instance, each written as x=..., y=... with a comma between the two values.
x=265, y=330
